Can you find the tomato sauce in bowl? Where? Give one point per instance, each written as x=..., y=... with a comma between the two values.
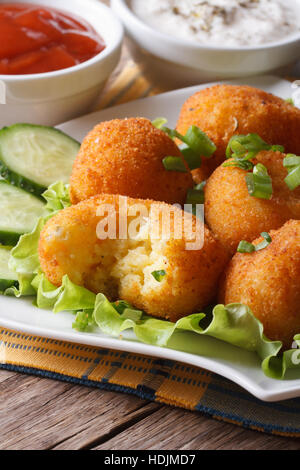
x=36, y=39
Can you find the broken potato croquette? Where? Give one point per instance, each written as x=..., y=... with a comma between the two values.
x=162, y=274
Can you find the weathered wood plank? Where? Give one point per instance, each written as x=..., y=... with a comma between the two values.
x=40, y=414
x=5, y=375
x=105, y=428
x=174, y=429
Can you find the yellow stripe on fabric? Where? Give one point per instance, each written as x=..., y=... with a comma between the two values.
x=130, y=374
x=46, y=354
x=185, y=387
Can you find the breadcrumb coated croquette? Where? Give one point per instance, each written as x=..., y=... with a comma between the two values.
x=233, y=215
x=268, y=281
x=225, y=110
x=124, y=156
x=122, y=268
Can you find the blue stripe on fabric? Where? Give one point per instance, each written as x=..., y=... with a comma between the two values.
x=247, y=423
x=147, y=391
x=163, y=373
x=101, y=352
x=252, y=399
x=74, y=380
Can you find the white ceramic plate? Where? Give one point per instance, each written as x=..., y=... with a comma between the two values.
x=237, y=365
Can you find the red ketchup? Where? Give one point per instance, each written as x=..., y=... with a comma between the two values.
x=36, y=39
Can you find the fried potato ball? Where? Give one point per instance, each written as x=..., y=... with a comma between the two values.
x=123, y=268
x=233, y=215
x=124, y=156
x=268, y=281
x=225, y=110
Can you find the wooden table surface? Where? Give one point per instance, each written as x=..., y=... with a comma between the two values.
x=37, y=413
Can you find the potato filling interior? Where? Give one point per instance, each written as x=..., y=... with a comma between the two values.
x=124, y=264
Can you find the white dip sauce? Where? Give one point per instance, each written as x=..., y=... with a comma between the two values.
x=222, y=22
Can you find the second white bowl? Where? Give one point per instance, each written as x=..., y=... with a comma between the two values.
x=190, y=62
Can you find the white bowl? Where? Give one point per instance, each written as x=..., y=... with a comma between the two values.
x=54, y=97
x=187, y=62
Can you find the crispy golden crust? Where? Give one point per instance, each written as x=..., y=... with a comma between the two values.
x=122, y=268
x=124, y=156
x=268, y=281
x=233, y=215
x=224, y=110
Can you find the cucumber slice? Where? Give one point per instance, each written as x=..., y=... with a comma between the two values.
x=33, y=157
x=7, y=278
x=19, y=212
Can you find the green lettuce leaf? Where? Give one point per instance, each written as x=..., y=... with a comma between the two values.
x=24, y=257
x=57, y=197
x=84, y=321
x=232, y=323
x=67, y=297
x=24, y=287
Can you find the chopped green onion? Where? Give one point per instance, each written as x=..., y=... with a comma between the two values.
x=266, y=236
x=246, y=247
x=291, y=160
x=200, y=186
x=126, y=310
x=290, y=101
x=196, y=195
x=159, y=122
x=172, y=133
x=192, y=158
x=277, y=148
x=159, y=275
x=293, y=178
x=121, y=305
x=259, y=183
x=246, y=147
x=242, y=164
x=243, y=148
x=198, y=141
x=83, y=320
x=174, y=164
x=196, y=144
x=292, y=163
x=132, y=314
x=265, y=243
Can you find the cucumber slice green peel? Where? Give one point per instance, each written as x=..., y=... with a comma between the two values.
x=19, y=212
x=7, y=278
x=32, y=157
